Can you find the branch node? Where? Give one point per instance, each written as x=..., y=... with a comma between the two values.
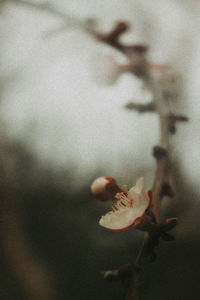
x=125, y=274
x=159, y=152
x=172, y=122
x=169, y=224
x=167, y=190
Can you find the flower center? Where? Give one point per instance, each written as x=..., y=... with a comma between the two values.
x=121, y=202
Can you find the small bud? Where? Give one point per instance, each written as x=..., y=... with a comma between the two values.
x=169, y=223
x=105, y=188
x=119, y=28
x=111, y=275
x=159, y=152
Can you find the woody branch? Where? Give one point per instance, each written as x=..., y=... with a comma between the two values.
x=140, y=67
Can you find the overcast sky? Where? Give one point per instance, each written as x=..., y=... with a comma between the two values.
x=54, y=103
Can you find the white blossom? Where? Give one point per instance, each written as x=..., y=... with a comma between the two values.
x=127, y=207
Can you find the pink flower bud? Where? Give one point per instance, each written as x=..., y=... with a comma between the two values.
x=105, y=188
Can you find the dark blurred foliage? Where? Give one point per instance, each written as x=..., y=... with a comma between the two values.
x=62, y=232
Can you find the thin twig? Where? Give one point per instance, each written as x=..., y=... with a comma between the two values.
x=141, y=108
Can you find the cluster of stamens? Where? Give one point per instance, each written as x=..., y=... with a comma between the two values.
x=121, y=201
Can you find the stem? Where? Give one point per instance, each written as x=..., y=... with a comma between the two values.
x=161, y=175
x=162, y=167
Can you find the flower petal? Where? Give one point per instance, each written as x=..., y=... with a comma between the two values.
x=120, y=219
x=139, y=197
x=124, y=216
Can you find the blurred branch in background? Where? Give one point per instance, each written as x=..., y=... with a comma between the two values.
x=23, y=265
x=31, y=275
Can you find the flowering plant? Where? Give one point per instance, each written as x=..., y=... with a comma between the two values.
x=128, y=207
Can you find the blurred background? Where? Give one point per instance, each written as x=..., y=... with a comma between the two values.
x=64, y=123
